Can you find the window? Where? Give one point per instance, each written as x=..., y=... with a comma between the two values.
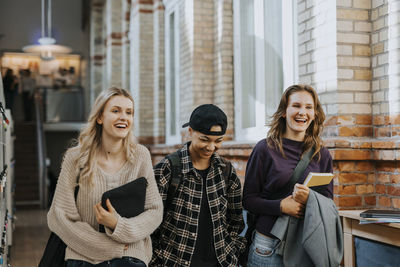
x=172, y=73
x=265, y=62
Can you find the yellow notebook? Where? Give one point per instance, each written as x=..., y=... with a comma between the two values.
x=318, y=178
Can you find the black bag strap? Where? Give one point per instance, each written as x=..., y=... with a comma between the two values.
x=226, y=172
x=298, y=171
x=77, y=185
x=176, y=175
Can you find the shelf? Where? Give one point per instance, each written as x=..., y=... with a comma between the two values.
x=7, y=166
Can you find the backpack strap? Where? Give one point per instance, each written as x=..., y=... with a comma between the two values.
x=76, y=190
x=176, y=176
x=226, y=172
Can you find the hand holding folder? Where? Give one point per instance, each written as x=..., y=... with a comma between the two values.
x=128, y=200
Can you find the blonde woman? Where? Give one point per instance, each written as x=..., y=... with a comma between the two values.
x=106, y=156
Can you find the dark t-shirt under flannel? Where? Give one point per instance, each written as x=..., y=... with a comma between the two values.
x=204, y=251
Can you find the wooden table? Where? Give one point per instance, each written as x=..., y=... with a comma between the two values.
x=388, y=233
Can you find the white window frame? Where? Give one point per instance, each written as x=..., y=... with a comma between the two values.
x=134, y=34
x=289, y=61
x=172, y=7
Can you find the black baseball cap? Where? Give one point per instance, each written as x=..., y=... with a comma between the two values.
x=206, y=116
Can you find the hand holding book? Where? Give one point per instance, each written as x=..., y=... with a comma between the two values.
x=318, y=179
x=300, y=193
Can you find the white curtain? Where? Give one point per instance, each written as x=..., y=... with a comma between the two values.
x=273, y=54
x=172, y=69
x=247, y=56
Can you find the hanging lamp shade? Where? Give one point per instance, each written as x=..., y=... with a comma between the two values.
x=47, y=46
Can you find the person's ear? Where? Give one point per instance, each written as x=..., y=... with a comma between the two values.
x=99, y=121
x=190, y=131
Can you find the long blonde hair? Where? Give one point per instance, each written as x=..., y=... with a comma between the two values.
x=89, y=141
x=278, y=123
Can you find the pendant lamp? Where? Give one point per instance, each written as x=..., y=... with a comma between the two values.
x=47, y=46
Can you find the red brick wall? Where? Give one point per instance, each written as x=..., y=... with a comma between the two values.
x=365, y=150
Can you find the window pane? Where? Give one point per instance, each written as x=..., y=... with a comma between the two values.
x=273, y=54
x=172, y=92
x=247, y=56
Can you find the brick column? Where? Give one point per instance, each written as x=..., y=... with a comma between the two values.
x=351, y=147
x=125, y=49
x=159, y=73
x=142, y=68
x=317, y=48
x=206, y=44
x=114, y=34
x=203, y=51
x=186, y=60
x=96, y=48
x=223, y=60
x=386, y=104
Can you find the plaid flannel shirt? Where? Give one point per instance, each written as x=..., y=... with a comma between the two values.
x=174, y=241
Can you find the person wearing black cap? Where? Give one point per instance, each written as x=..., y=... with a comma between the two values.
x=203, y=212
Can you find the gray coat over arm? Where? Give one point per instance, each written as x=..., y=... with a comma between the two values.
x=315, y=240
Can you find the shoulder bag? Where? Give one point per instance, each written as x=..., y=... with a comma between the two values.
x=54, y=253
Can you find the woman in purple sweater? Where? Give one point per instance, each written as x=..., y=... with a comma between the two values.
x=295, y=128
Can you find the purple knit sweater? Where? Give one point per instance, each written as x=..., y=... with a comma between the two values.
x=268, y=171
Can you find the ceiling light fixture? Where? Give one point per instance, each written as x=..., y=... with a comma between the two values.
x=46, y=47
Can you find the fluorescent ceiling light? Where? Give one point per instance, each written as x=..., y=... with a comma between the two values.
x=46, y=47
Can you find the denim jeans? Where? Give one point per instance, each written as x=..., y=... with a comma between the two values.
x=124, y=262
x=262, y=252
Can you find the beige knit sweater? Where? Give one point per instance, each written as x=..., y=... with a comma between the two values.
x=76, y=223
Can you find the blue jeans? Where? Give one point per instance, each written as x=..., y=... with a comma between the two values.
x=124, y=262
x=262, y=252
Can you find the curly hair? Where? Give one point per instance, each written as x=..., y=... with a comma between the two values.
x=278, y=122
x=89, y=140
